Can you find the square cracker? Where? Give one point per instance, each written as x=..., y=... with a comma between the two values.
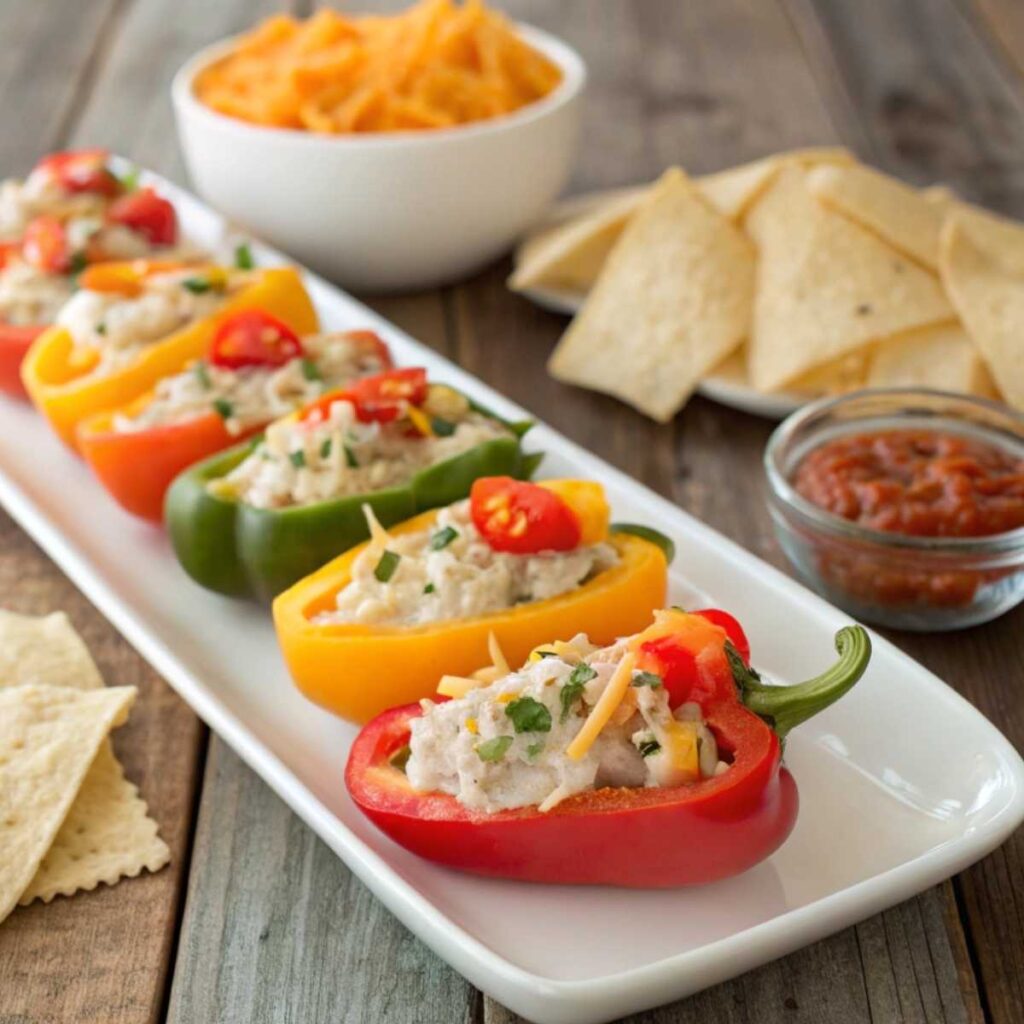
x=826, y=287
x=673, y=301
x=108, y=833
x=49, y=739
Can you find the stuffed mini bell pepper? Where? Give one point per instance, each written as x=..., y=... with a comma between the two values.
x=651, y=763
x=131, y=324
x=257, y=369
x=523, y=562
x=72, y=210
x=260, y=516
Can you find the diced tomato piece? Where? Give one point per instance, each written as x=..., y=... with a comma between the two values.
x=8, y=250
x=45, y=245
x=373, y=343
x=733, y=630
x=147, y=214
x=382, y=398
x=254, y=338
x=82, y=170
x=522, y=518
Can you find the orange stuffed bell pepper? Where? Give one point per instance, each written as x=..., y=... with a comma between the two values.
x=525, y=563
x=256, y=369
x=131, y=324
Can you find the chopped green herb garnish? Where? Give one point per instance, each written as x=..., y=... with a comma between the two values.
x=573, y=689
x=651, y=679
x=202, y=374
x=429, y=588
x=400, y=758
x=129, y=180
x=350, y=458
x=387, y=565
x=442, y=538
x=78, y=262
x=310, y=370
x=224, y=408
x=243, y=257
x=534, y=749
x=529, y=715
x=442, y=427
x=325, y=448
x=297, y=458
x=495, y=749
x=649, y=747
x=197, y=285
x=101, y=328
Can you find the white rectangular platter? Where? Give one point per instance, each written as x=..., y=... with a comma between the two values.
x=889, y=806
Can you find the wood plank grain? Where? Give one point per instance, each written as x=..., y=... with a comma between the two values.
x=46, y=62
x=1005, y=22
x=277, y=928
x=102, y=957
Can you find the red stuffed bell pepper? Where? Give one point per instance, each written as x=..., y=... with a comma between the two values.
x=72, y=210
x=256, y=368
x=660, y=758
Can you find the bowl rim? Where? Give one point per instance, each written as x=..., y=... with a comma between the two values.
x=569, y=61
x=1008, y=542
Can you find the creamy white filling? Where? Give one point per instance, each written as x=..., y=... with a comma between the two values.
x=470, y=748
x=463, y=578
x=300, y=463
x=251, y=396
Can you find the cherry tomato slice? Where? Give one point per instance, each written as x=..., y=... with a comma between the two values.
x=374, y=344
x=45, y=245
x=82, y=170
x=733, y=630
x=521, y=517
x=147, y=214
x=254, y=338
x=381, y=398
x=8, y=250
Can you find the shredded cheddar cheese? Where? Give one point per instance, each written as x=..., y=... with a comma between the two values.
x=603, y=710
x=435, y=65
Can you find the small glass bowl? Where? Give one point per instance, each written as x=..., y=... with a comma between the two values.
x=924, y=584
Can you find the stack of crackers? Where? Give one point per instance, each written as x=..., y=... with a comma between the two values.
x=803, y=273
x=68, y=817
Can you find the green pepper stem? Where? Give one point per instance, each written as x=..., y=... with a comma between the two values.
x=785, y=707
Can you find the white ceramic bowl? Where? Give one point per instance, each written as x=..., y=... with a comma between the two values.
x=391, y=210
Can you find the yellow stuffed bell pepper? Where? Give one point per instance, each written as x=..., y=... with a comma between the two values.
x=72, y=379
x=357, y=668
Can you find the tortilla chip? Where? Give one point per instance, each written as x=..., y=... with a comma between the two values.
x=941, y=357
x=108, y=833
x=734, y=190
x=46, y=650
x=106, y=836
x=990, y=301
x=940, y=195
x=673, y=300
x=49, y=738
x=836, y=378
x=999, y=238
x=570, y=256
x=826, y=286
x=891, y=209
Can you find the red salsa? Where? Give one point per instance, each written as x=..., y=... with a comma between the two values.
x=921, y=483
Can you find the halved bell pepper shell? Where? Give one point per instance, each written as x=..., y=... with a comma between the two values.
x=66, y=394
x=15, y=342
x=137, y=466
x=237, y=549
x=357, y=671
x=648, y=838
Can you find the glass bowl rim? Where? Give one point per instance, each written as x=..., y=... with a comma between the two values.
x=782, y=491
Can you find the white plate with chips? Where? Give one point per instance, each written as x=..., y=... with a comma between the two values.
x=886, y=811
x=736, y=393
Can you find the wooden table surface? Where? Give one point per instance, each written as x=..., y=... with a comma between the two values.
x=255, y=919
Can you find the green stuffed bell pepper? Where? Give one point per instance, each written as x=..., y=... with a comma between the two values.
x=256, y=518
